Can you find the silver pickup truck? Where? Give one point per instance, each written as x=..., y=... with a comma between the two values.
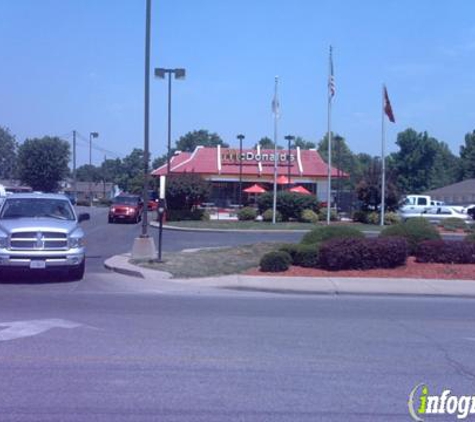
x=41, y=231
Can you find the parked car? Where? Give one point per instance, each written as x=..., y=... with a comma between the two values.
x=126, y=208
x=152, y=204
x=40, y=232
x=436, y=214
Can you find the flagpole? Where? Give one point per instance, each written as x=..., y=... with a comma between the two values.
x=275, y=108
x=329, y=136
x=383, y=159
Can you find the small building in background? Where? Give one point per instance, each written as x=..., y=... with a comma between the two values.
x=461, y=193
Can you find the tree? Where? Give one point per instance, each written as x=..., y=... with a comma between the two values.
x=368, y=190
x=88, y=173
x=421, y=162
x=191, y=140
x=265, y=143
x=159, y=161
x=467, y=157
x=8, y=154
x=131, y=179
x=186, y=190
x=342, y=159
x=302, y=143
x=42, y=163
x=111, y=170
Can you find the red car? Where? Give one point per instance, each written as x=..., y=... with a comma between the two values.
x=126, y=208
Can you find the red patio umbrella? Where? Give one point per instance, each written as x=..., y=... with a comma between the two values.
x=254, y=189
x=282, y=180
x=300, y=189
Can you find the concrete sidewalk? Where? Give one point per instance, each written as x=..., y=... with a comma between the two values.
x=302, y=285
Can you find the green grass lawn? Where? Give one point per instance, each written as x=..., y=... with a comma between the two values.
x=259, y=225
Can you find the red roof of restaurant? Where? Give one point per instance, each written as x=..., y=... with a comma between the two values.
x=204, y=160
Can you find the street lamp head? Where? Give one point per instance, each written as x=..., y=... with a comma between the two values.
x=179, y=73
x=289, y=138
x=240, y=137
x=160, y=72
x=94, y=134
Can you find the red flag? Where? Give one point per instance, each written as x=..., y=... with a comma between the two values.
x=387, y=107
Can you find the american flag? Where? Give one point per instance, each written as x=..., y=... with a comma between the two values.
x=331, y=77
x=387, y=107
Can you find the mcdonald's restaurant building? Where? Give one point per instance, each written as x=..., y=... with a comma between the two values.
x=226, y=167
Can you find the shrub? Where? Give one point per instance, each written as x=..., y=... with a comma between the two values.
x=446, y=252
x=275, y=261
x=267, y=215
x=180, y=215
x=374, y=217
x=320, y=234
x=309, y=216
x=453, y=224
x=322, y=214
x=470, y=237
x=363, y=254
x=205, y=216
x=247, y=213
x=360, y=216
x=290, y=248
x=414, y=230
x=289, y=204
x=391, y=218
x=307, y=256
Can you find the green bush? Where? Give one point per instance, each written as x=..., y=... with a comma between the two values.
x=267, y=215
x=470, y=237
x=184, y=215
x=309, y=216
x=247, y=213
x=302, y=255
x=414, y=230
x=453, y=224
x=275, y=261
x=374, y=218
x=322, y=214
x=391, y=218
x=360, y=216
x=307, y=256
x=289, y=204
x=290, y=248
x=323, y=233
x=205, y=216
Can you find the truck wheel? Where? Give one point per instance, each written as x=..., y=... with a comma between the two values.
x=77, y=273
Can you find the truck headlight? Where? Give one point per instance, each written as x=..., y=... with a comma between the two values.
x=76, y=242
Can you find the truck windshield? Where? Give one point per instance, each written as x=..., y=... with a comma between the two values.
x=37, y=207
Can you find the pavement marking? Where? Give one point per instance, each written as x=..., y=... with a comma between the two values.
x=19, y=329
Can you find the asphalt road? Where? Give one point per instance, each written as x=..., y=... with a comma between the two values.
x=111, y=348
x=74, y=352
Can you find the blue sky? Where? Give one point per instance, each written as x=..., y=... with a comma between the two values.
x=79, y=64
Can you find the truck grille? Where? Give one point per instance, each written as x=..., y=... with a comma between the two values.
x=38, y=241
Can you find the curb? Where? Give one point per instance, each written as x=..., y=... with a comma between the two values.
x=123, y=271
x=197, y=229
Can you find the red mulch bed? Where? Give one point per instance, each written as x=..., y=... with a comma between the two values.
x=411, y=270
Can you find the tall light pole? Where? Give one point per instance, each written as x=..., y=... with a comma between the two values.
x=160, y=72
x=289, y=139
x=91, y=135
x=144, y=247
x=240, y=137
